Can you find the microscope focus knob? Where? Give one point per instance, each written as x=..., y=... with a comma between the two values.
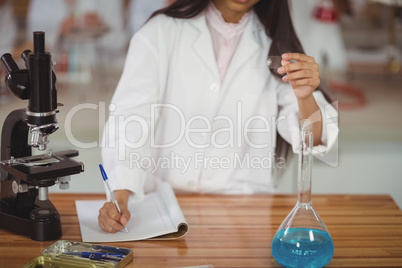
x=64, y=182
x=14, y=187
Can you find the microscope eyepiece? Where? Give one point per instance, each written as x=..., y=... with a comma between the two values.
x=39, y=42
x=9, y=63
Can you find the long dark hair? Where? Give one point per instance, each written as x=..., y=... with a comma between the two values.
x=275, y=17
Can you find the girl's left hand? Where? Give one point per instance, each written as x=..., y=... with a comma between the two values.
x=302, y=74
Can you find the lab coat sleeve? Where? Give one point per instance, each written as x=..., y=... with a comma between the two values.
x=126, y=138
x=288, y=122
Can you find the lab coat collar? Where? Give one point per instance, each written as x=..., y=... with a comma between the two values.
x=248, y=44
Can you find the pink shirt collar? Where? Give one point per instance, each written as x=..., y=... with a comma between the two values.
x=228, y=29
x=225, y=36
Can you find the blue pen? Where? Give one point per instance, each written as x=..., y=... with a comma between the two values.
x=97, y=255
x=111, y=192
x=102, y=256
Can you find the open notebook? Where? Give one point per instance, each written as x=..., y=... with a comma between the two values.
x=158, y=216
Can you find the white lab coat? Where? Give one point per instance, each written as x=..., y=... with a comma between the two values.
x=217, y=126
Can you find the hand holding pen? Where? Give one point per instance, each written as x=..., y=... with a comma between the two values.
x=114, y=215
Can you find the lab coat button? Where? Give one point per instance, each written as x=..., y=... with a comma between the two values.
x=214, y=88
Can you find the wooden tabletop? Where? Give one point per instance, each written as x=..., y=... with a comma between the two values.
x=237, y=231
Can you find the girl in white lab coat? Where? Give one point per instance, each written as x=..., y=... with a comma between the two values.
x=196, y=105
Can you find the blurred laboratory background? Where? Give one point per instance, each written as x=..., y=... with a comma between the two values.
x=357, y=43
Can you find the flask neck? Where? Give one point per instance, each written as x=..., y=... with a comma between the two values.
x=305, y=165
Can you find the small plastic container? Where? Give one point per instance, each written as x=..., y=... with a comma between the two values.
x=66, y=254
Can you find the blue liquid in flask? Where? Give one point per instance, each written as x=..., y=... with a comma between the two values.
x=302, y=247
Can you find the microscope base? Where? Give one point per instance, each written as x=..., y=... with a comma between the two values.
x=43, y=223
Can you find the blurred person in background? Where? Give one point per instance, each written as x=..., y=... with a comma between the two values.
x=8, y=27
x=316, y=23
x=8, y=36
x=85, y=37
x=60, y=18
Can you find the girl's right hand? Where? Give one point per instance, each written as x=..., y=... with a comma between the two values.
x=109, y=219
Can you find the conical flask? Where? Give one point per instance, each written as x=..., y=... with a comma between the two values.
x=303, y=240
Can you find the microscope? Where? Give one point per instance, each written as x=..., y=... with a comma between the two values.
x=25, y=207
